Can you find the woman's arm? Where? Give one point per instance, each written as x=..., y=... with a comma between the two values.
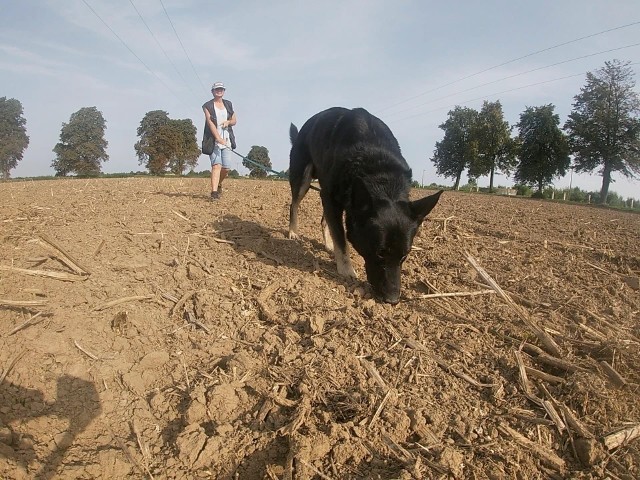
x=231, y=122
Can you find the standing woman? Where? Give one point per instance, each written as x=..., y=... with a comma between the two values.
x=219, y=120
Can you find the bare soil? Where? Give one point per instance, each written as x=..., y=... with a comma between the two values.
x=183, y=338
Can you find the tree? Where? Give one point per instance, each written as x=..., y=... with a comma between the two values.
x=496, y=148
x=152, y=148
x=544, y=149
x=259, y=155
x=459, y=148
x=603, y=127
x=186, y=151
x=166, y=144
x=13, y=135
x=82, y=145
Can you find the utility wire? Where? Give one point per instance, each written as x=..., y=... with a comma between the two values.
x=508, y=62
x=499, y=93
x=182, y=45
x=132, y=52
x=513, y=76
x=161, y=48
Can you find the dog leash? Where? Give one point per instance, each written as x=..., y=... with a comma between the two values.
x=259, y=165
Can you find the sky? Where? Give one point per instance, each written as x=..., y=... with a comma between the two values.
x=407, y=62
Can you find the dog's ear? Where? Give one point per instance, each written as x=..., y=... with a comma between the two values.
x=421, y=208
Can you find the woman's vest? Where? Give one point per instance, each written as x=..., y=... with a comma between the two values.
x=212, y=111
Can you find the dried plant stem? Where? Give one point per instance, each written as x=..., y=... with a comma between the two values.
x=24, y=324
x=615, y=378
x=621, y=437
x=12, y=364
x=99, y=248
x=457, y=294
x=22, y=303
x=65, y=277
x=64, y=256
x=374, y=373
x=83, y=350
x=547, y=377
x=547, y=456
x=547, y=341
x=180, y=215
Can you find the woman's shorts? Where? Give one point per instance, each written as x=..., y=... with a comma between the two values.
x=221, y=157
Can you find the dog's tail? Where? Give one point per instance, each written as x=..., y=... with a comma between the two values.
x=293, y=133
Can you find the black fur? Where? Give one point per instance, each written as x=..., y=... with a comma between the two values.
x=362, y=174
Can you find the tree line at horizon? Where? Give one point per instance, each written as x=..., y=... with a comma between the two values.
x=602, y=132
x=165, y=145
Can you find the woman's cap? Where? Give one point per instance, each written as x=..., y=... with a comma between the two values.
x=218, y=85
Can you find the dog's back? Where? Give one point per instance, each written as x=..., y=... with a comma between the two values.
x=343, y=143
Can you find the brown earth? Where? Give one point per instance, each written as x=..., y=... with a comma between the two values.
x=191, y=339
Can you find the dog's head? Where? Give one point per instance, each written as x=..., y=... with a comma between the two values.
x=381, y=231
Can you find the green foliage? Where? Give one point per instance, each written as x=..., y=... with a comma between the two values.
x=13, y=135
x=82, y=146
x=615, y=200
x=470, y=186
x=577, y=195
x=234, y=174
x=259, y=155
x=496, y=148
x=544, y=150
x=458, y=149
x=185, y=149
x=166, y=144
x=603, y=127
x=523, y=190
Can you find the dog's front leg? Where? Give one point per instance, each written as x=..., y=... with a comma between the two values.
x=293, y=219
x=332, y=223
x=326, y=235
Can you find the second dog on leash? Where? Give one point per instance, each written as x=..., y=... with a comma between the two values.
x=362, y=175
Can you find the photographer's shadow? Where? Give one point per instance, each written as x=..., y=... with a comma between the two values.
x=77, y=401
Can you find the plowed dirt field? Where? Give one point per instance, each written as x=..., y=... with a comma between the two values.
x=147, y=332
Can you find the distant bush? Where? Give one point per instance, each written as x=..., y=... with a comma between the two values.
x=523, y=190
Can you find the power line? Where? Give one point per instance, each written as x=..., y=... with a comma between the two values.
x=182, y=45
x=395, y=104
x=500, y=93
x=161, y=48
x=513, y=76
x=132, y=52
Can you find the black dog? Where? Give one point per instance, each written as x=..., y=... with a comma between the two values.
x=362, y=174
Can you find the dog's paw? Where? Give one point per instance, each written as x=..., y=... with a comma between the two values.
x=293, y=235
x=346, y=269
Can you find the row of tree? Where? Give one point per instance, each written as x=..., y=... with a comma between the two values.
x=164, y=145
x=602, y=132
